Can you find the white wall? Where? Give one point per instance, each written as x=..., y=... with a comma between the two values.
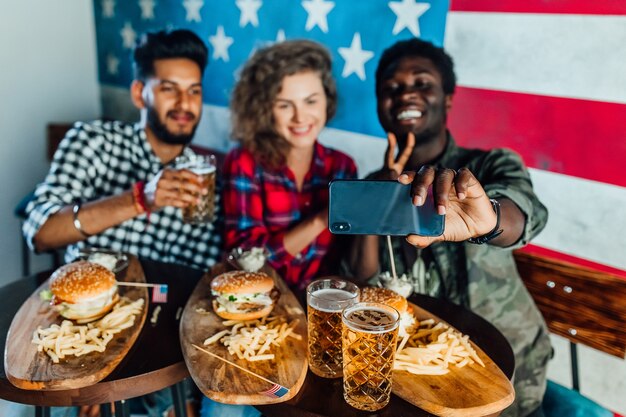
x=48, y=73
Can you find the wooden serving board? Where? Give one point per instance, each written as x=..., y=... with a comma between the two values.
x=468, y=391
x=225, y=383
x=29, y=369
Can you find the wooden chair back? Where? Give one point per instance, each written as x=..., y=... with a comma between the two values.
x=579, y=303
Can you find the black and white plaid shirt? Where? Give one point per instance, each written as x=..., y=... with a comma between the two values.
x=102, y=159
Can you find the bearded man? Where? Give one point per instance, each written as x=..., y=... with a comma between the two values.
x=111, y=184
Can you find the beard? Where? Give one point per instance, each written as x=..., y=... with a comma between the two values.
x=161, y=131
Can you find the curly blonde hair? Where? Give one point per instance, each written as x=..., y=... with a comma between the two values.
x=260, y=82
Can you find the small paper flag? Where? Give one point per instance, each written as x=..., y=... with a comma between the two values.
x=276, y=391
x=159, y=293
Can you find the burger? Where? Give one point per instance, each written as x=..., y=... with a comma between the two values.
x=243, y=295
x=395, y=300
x=83, y=291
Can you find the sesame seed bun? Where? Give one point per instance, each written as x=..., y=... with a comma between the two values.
x=385, y=296
x=242, y=282
x=83, y=291
x=80, y=280
x=242, y=295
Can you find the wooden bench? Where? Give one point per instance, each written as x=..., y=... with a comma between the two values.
x=579, y=303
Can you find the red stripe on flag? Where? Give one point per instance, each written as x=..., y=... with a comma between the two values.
x=581, y=138
x=549, y=253
x=614, y=7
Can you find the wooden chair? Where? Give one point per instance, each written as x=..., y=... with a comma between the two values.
x=583, y=305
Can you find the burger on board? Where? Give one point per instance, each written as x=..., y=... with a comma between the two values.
x=242, y=295
x=83, y=291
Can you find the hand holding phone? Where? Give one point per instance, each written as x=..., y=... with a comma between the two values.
x=372, y=207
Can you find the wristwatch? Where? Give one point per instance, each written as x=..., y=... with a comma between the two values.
x=496, y=230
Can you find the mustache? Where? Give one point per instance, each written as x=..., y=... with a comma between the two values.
x=176, y=113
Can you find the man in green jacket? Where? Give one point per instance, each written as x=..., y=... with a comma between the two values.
x=490, y=209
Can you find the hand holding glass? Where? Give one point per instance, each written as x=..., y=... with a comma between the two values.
x=204, y=166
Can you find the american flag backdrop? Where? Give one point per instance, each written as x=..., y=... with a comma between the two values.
x=542, y=77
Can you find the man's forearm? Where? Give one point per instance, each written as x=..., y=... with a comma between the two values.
x=95, y=217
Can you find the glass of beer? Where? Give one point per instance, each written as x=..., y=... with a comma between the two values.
x=326, y=298
x=203, y=165
x=370, y=333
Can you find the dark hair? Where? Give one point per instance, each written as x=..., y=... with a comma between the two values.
x=415, y=47
x=179, y=43
x=257, y=88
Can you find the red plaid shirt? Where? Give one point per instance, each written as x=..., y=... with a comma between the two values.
x=260, y=206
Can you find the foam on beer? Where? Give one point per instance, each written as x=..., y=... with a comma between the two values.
x=370, y=319
x=202, y=170
x=329, y=300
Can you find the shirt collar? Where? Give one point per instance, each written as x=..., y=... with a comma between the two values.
x=318, y=155
x=449, y=154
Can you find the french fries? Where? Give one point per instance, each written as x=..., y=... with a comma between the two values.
x=77, y=340
x=253, y=340
x=433, y=348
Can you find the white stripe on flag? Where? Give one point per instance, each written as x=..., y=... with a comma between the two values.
x=586, y=218
x=576, y=56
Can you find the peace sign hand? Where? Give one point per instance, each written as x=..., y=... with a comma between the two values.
x=396, y=166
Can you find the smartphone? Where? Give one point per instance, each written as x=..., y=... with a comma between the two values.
x=372, y=207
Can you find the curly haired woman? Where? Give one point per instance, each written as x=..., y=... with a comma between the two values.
x=276, y=182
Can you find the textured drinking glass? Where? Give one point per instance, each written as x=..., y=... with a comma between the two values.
x=203, y=165
x=370, y=333
x=326, y=298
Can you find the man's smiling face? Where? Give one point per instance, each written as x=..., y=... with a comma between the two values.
x=411, y=99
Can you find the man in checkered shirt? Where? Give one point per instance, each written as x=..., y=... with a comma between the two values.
x=111, y=184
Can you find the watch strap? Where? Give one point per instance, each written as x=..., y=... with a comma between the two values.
x=479, y=240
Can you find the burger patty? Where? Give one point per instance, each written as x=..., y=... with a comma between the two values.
x=251, y=306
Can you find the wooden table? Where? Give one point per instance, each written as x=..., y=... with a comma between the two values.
x=324, y=397
x=156, y=361
x=153, y=363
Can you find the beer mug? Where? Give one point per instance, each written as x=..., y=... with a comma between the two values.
x=203, y=165
x=325, y=300
x=370, y=334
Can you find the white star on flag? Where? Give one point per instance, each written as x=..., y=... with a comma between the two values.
x=249, y=9
x=112, y=64
x=355, y=58
x=128, y=36
x=280, y=36
x=317, y=11
x=220, y=43
x=193, y=10
x=108, y=8
x=407, y=14
x=147, y=9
